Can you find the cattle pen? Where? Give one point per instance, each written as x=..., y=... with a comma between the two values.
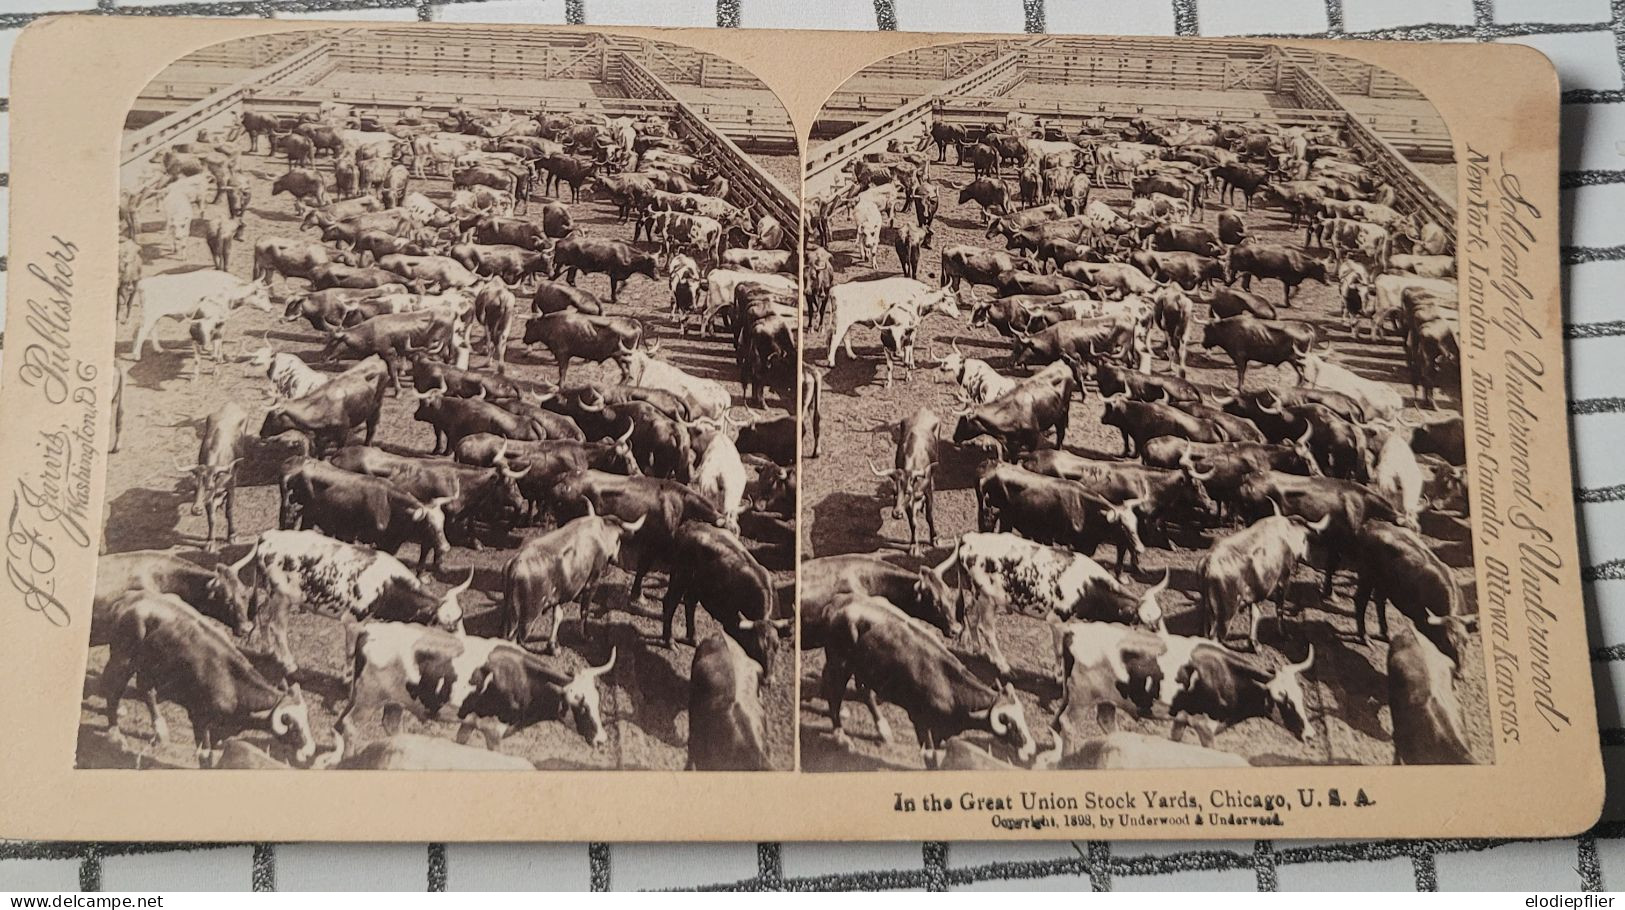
x=1003, y=104
x=447, y=86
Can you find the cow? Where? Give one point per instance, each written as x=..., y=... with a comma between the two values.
x=557, y=297
x=494, y=308
x=825, y=582
x=1394, y=565
x=963, y=262
x=726, y=728
x=344, y=581
x=1376, y=400
x=290, y=376
x=453, y=418
x=470, y=495
x=569, y=335
x=217, y=593
x=556, y=568
x=218, y=234
x=997, y=571
x=978, y=382
x=1113, y=380
x=1248, y=567
x=490, y=684
x=191, y=296
x=1141, y=421
x=389, y=337
x=722, y=291
x=619, y=260
x=174, y=654
x=1248, y=339
x=913, y=474
x=1350, y=504
x=326, y=416
x=1197, y=682
x=1372, y=242
x=712, y=568
x=1262, y=260
x=1050, y=510
x=991, y=194
x=705, y=398
x=908, y=241
x=306, y=186
x=214, y=475
x=905, y=663
x=1018, y=419
x=1422, y=703
x=874, y=302
x=668, y=504
x=685, y=282
x=357, y=508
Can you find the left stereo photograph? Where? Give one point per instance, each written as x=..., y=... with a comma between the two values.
x=456, y=419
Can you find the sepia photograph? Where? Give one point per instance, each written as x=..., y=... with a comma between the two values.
x=1136, y=436
x=455, y=420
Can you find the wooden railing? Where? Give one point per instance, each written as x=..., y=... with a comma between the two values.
x=218, y=109
x=1414, y=189
x=826, y=163
x=751, y=185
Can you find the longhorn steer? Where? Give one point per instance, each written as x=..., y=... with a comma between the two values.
x=492, y=685
x=903, y=662
x=174, y=655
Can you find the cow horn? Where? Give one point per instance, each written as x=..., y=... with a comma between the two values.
x=746, y=624
x=467, y=583
x=239, y=564
x=1406, y=421
x=1321, y=525
x=1160, y=586
x=997, y=721
x=877, y=472
x=1199, y=475
x=1308, y=431
x=598, y=405
x=1301, y=667
x=1276, y=410
x=1221, y=402
x=510, y=473
x=595, y=672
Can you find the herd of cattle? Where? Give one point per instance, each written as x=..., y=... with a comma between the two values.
x=421, y=285
x=1110, y=274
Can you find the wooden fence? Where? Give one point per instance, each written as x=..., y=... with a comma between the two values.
x=751, y=185
x=219, y=109
x=826, y=163
x=1412, y=187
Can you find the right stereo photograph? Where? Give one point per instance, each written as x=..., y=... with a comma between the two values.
x=1133, y=403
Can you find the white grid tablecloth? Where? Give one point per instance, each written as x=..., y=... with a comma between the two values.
x=1585, y=38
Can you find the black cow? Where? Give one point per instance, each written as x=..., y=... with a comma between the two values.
x=359, y=508
x=1247, y=339
x=667, y=503
x=569, y=334
x=1050, y=510
x=326, y=416
x=1264, y=260
x=711, y=568
x=1018, y=419
x=619, y=260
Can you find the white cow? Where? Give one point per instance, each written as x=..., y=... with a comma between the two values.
x=1377, y=400
x=192, y=296
x=866, y=215
x=706, y=398
x=867, y=303
x=183, y=201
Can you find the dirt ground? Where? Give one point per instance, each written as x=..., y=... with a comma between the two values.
x=645, y=696
x=846, y=510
